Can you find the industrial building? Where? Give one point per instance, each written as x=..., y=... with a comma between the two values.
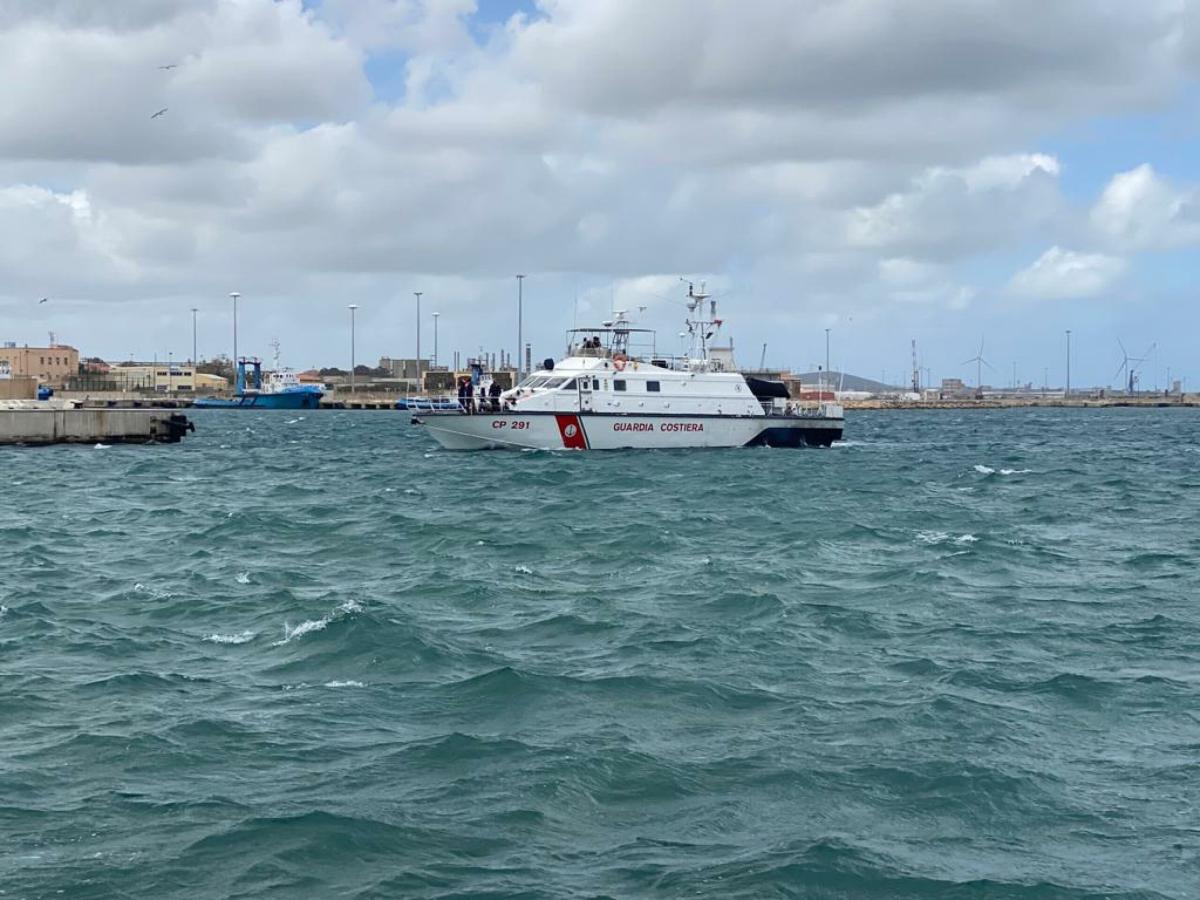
x=163, y=379
x=51, y=365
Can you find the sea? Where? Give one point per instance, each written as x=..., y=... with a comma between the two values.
x=956, y=655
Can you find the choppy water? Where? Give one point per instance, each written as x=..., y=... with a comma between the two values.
x=957, y=657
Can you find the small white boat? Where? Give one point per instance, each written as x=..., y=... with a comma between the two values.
x=602, y=396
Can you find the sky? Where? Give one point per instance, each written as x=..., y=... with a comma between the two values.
x=958, y=173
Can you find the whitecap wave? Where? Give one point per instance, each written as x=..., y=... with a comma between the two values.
x=347, y=608
x=242, y=578
x=306, y=627
x=241, y=638
x=523, y=570
x=155, y=593
x=942, y=537
x=988, y=470
x=102, y=447
x=341, y=684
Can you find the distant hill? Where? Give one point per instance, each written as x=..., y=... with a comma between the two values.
x=847, y=382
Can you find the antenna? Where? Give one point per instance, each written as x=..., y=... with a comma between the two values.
x=916, y=372
x=701, y=330
x=52, y=339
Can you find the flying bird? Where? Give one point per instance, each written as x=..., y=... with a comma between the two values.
x=43, y=300
x=159, y=113
x=170, y=66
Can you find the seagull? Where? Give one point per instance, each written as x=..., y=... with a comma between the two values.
x=170, y=66
x=43, y=300
x=159, y=113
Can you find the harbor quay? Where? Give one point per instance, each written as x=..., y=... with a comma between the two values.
x=37, y=422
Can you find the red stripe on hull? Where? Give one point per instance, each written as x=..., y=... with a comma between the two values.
x=571, y=430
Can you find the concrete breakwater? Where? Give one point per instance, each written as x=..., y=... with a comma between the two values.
x=38, y=424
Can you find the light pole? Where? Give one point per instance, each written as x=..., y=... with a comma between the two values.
x=170, y=372
x=1067, y=395
x=826, y=354
x=520, y=334
x=435, y=356
x=352, y=307
x=235, y=295
x=194, y=357
x=418, y=294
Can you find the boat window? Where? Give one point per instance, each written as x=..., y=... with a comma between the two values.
x=653, y=386
x=595, y=384
x=618, y=384
x=569, y=386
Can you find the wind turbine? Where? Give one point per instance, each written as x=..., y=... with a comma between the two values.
x=980, y=362
x=1124, y=367
x=1133, y=370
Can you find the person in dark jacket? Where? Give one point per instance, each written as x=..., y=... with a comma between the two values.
x=494, y=394
x=470, y=397
x=462, y=393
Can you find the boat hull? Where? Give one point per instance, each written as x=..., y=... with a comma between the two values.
x=282, y=400
x=599, y=431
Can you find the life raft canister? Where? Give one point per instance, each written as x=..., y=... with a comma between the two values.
x=619, y=362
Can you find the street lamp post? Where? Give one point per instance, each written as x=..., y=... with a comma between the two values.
x=235, y=295
x=520, y=312
x=352, y=307
x=418, y=294
x=1067, y=395
x=194, y=357
x=170, y=371
x=435, y=354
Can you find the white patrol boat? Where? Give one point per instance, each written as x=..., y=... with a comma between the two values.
x=602, y=396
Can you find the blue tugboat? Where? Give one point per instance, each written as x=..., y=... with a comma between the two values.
x=283, y=390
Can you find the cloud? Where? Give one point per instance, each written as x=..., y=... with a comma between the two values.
x=1060, y=274
x=914, y=281
x=830, y=160
x=414, y=26
x=1139, y=210
x=88, y=92
x=842, y=57
x=947, y=212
